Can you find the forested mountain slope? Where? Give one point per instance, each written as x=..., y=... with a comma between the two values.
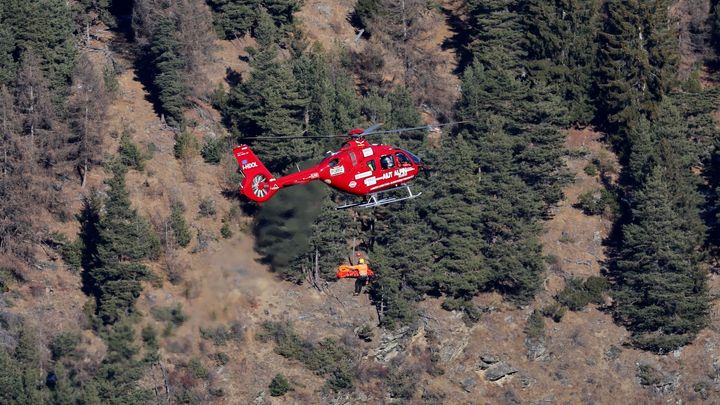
x=564, y=250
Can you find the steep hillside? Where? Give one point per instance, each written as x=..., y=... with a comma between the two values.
x=225, y=325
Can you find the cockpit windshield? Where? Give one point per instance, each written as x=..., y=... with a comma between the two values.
x=414, y=158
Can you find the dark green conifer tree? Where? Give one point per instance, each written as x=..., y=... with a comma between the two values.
x=7, y=46
x=454, y=214
x=636, y=63
x=234, y=18
x=269, y=103
x=117, y=378
x=494, y=29
x=661, y=283
x=165, y=57
x=45, y=27
x=560, y=45
x=124, y=241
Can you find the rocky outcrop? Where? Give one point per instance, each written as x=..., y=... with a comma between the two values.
x=499, y=370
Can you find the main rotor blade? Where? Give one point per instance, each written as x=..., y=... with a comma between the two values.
x=371, y=129
x=428, y=127
x=280, y=138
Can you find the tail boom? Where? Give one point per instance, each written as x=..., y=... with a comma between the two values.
x=259, y=184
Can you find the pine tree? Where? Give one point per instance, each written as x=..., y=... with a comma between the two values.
x=64, y=392
x=28, y=362
x=636, y=62
x=270, y=103
x=167, y=62
x=495, y=33
x=282, y=11
x=10, y=379
x=455, y=212
x=7, y=46
x=330, y=235
x=662, y=292
x=46, y=28
x=714, y=175
x=117, y=378
x=88, y=110
x=283, y=227
x=124, y=240
x=101, y=8
x=235, y=18
x=560, y=46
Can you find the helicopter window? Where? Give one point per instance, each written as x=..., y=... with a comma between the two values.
x=402, y=158
x=414, y=158
x=334, y=162
x=371, y=165
x=353, y=158
x=386, y=162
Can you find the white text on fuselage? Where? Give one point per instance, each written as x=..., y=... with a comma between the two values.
x=401, y=172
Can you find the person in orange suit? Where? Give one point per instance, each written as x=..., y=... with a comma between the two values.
x=362, y=269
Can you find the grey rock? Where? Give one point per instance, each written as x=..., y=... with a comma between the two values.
x=392, y=343
x=469, y=384
x=260, y=399
x=324, y=10
x=650, y=376
x=489, y=358
x=612, y=353
x=527, y=380
x=535, y=348
x=499, y=370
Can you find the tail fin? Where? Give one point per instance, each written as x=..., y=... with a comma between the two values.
x=259, y=184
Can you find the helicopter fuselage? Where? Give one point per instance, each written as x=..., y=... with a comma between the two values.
x=358, y=168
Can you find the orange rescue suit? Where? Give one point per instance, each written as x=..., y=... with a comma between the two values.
x=345, y=271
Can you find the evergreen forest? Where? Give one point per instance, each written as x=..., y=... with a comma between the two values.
x=129, y=259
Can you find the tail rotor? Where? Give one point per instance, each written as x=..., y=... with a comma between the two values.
x=259, y=184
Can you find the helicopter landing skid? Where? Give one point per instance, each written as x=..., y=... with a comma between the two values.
x=375, y=200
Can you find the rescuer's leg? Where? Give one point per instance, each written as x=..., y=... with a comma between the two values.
x=359, y=283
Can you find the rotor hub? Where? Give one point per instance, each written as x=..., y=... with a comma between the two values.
x=259, y=186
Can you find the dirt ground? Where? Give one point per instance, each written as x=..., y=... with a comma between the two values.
x=584, y=359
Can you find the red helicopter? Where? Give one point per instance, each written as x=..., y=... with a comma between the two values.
x=358, y=168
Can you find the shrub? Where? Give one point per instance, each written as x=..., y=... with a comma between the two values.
x=71, y=252
x=554, y=311
x=173, y=314
x=110, y=78
x=186, y=145
x=225, y=230
x=648, y=375
x=221, y=358
x=213, y=150
x=577, y=293
x=325, y=358
x=207, y=208
x=591, y=169
x=279, y=386
x=64, y=344
x=219, y=335
x=340, y=378
x=180, y=227
x=598, y=202
x=365, y=333
x=535, y=327
x=197, y=370
x=401, y=384
x=471, y=313
x=130, y=155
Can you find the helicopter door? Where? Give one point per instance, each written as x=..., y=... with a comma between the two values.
x=402, y=159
